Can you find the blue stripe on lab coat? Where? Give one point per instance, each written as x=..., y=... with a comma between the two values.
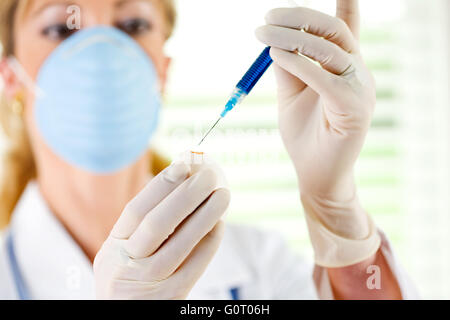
x=21, y=288
x=235, y=294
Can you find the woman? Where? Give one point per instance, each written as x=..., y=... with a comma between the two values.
x=76, y=110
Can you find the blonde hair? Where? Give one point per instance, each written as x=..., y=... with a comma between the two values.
x=18, y=166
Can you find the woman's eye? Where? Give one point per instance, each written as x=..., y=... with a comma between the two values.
x=134, y=27
x=58, y=32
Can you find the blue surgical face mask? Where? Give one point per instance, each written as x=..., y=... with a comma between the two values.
x=100, y=101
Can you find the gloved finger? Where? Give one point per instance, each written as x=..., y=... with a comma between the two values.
x=162, y=221
x=287, y=91
x=328, y=54
x=175, y=250
x=315, y=77
x=288, y=84
x=199, y=160
x=348, y=11
x=155, y=191
x=198, y=260
x=314, y=22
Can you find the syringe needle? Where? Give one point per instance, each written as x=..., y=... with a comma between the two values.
x=207, y=134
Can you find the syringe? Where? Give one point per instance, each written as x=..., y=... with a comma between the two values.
x=245, y=86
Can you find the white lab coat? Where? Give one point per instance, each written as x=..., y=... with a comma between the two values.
x=256, y=264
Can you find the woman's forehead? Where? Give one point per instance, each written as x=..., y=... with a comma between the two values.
x=37, y=6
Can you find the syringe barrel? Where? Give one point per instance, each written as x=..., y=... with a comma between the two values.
x=249, y=80
x=256, y=71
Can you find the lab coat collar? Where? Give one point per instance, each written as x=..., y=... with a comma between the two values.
x=54, y=266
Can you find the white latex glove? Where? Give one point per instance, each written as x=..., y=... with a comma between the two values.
x=324, y=114
x=165, y=237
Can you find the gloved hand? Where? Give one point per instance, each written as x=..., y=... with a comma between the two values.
x=165, y=237
x=324, y=114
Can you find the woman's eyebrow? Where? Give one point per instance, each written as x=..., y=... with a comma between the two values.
x=56, y=3
x=120, y=3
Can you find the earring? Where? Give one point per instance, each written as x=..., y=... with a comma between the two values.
x=17, y=106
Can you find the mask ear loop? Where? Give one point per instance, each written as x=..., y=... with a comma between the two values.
x=24, y=77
